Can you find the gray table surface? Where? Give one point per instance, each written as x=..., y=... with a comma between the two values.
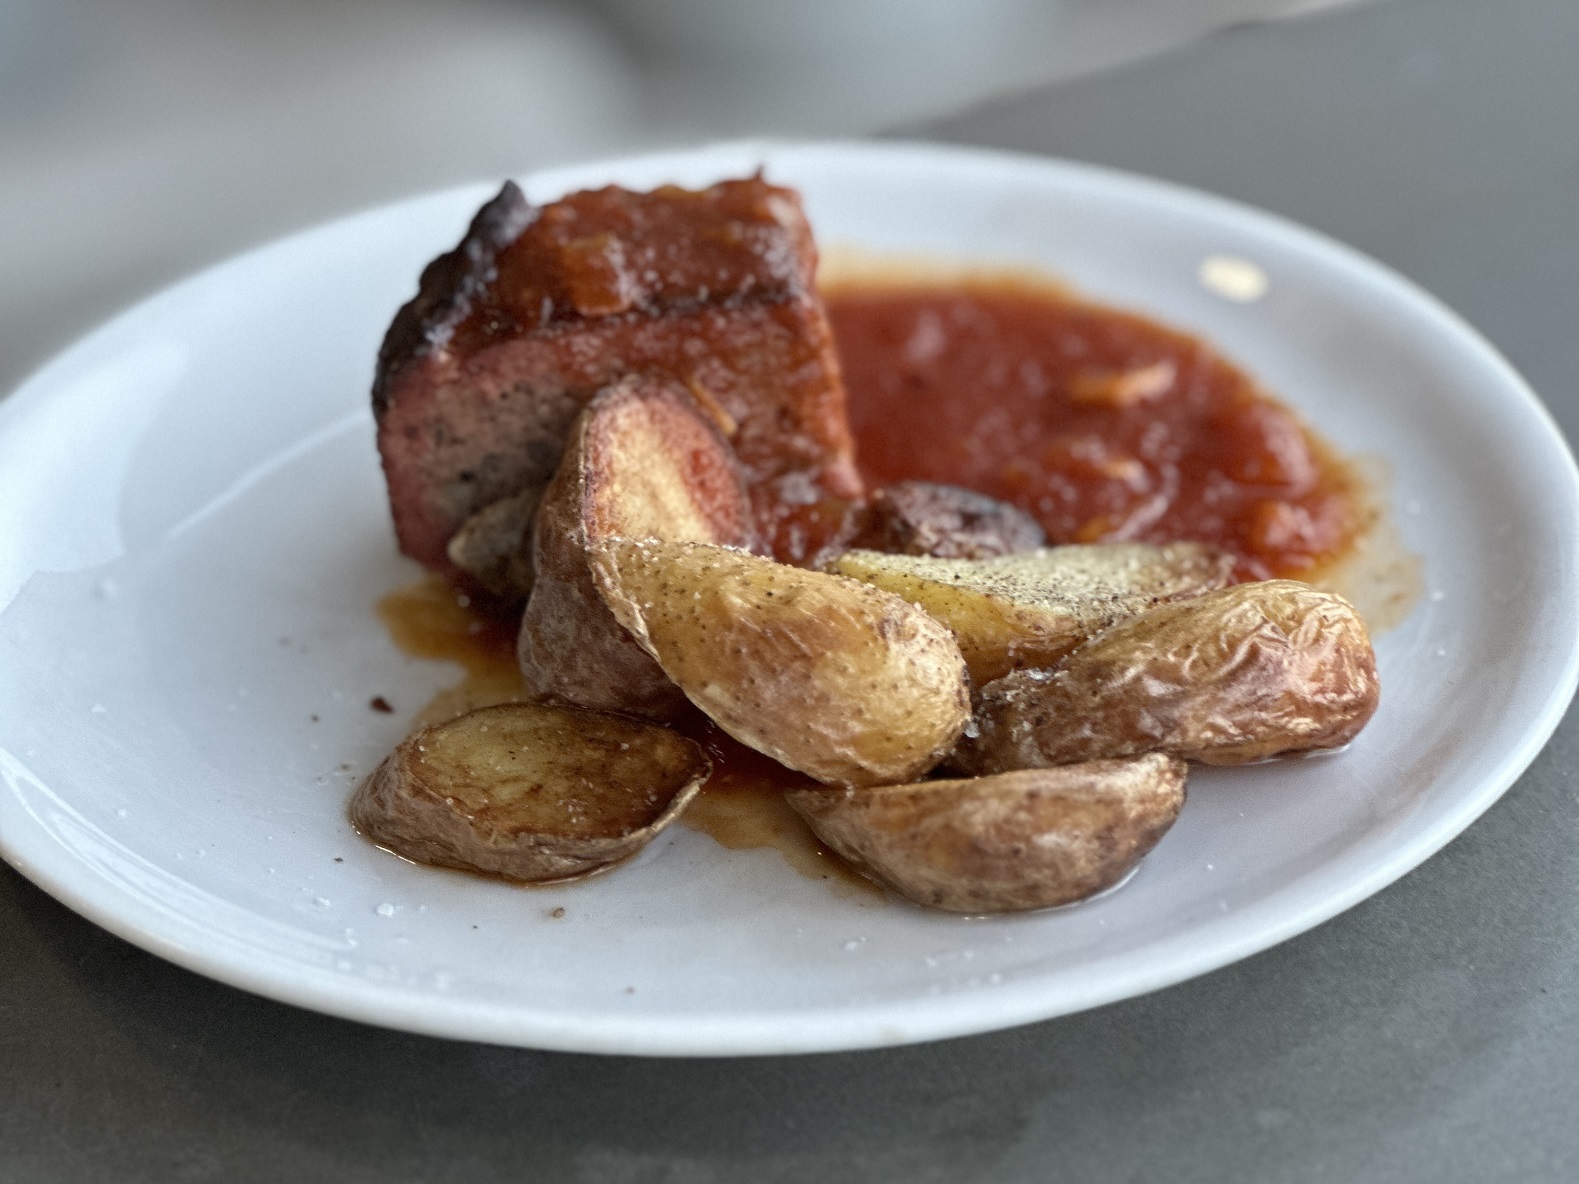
x=1432, y=1033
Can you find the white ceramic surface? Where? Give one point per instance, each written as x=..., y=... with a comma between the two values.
x=193, y=533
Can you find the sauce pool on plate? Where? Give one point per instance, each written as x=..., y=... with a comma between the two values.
x=1101, y=424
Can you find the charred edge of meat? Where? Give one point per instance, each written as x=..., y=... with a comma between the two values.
x=448, y=285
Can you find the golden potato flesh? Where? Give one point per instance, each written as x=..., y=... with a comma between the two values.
x=835, y=678
x=529, y=791
x=1030, y=609
x=1022, y=840
x=642, y=462
x=1236, y=675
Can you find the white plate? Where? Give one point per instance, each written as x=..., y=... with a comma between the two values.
x=193, y=532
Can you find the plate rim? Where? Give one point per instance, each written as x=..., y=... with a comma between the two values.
x=846, y=1027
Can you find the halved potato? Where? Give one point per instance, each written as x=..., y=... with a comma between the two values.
x=642, y=462
x=1236, y=675
x=1030, y=609
x=835, y=678
x=494, y=546
x=529, y=791
x=1022, y=840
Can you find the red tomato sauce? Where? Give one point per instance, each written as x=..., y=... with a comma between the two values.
x=1102, y=424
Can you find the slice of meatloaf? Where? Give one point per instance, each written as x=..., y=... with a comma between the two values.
x=482, y=374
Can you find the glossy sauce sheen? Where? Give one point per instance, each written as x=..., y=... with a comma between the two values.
x=607, y=252
x=1101, y=424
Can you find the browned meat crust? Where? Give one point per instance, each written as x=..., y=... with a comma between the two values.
x=481, y=376
x=448, y=287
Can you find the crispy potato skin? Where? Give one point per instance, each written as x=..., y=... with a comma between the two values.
x=643, y=462
x=945, y=521
x=531, y=792
x=1029, y=610
x=1014, y=841
x=835, y=678
x=1240, y=674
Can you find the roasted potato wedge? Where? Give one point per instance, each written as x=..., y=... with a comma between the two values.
x=945, y=521
x=1022, y=840
x=1030, y=609
x=642, y=462
x=529, y=791
x=835, y=678
x=494, y=546
x=1236, y=675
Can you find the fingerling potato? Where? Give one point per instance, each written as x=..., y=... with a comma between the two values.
x=1236, y=675
x=835, y=678
x=642, y=462
x=529, y=791
x=1028, y=610
x=1013, y=841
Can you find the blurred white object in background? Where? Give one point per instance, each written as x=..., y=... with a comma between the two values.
x=843, y=66
x=140, y=139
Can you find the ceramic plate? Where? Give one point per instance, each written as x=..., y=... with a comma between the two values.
x=193, y=533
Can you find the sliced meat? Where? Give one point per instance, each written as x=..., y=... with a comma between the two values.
x=481, y=376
